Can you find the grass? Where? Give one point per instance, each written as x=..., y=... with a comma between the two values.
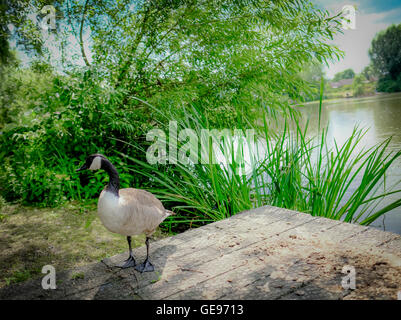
x=296, y=173
x=79, y=275
x=33, y=237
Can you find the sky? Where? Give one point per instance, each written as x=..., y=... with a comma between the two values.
x=371, y=17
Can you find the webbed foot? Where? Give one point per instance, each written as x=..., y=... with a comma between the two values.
x=146, y=266
x=130, y=262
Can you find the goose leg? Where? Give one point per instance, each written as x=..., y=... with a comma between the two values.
x=146, y=266
x=130, y=262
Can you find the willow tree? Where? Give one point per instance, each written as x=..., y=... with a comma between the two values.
x=219, y=49
x=211, y=51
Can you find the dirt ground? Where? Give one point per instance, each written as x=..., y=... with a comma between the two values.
x=377, y=272
x=377, y=276
x=64, y=237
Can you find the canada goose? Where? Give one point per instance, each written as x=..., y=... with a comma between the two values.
x=127, y=211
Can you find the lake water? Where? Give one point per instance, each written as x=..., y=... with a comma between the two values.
x=382, y=116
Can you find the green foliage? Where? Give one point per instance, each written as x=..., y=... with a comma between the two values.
x=23, y=91
x=387, y=84
x=369, y=72
x=313, y=73
x=357, y=86
x=18, y=276
x=25, y=29
x=3, y=204
x=346, y=74
x=40, y=155
x=77, y=276
x=385, y=52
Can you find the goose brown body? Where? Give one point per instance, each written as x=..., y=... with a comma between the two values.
x=132, y=212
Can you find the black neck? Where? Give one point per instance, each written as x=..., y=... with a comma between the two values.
x=114, y=180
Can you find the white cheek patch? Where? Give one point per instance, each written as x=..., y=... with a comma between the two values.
x=96, y=164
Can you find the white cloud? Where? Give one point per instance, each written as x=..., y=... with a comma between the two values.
x=356, y=43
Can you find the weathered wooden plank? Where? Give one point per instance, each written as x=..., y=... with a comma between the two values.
x=286, y=257
x=371, y=238
x=206, y=264
x=222, y=285
x=393, y=246
x=283, y=225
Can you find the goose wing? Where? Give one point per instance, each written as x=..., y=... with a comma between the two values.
x=144, y=212
x=142, y=197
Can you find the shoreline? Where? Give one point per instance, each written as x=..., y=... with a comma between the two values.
x=338, y=100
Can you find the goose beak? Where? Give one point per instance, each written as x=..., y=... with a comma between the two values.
x=84, y=167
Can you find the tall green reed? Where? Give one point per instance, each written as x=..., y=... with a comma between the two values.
x=287, y=170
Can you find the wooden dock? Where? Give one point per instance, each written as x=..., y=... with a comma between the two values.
x=265, y=253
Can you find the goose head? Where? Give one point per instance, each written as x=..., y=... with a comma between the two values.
x=93, y=162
